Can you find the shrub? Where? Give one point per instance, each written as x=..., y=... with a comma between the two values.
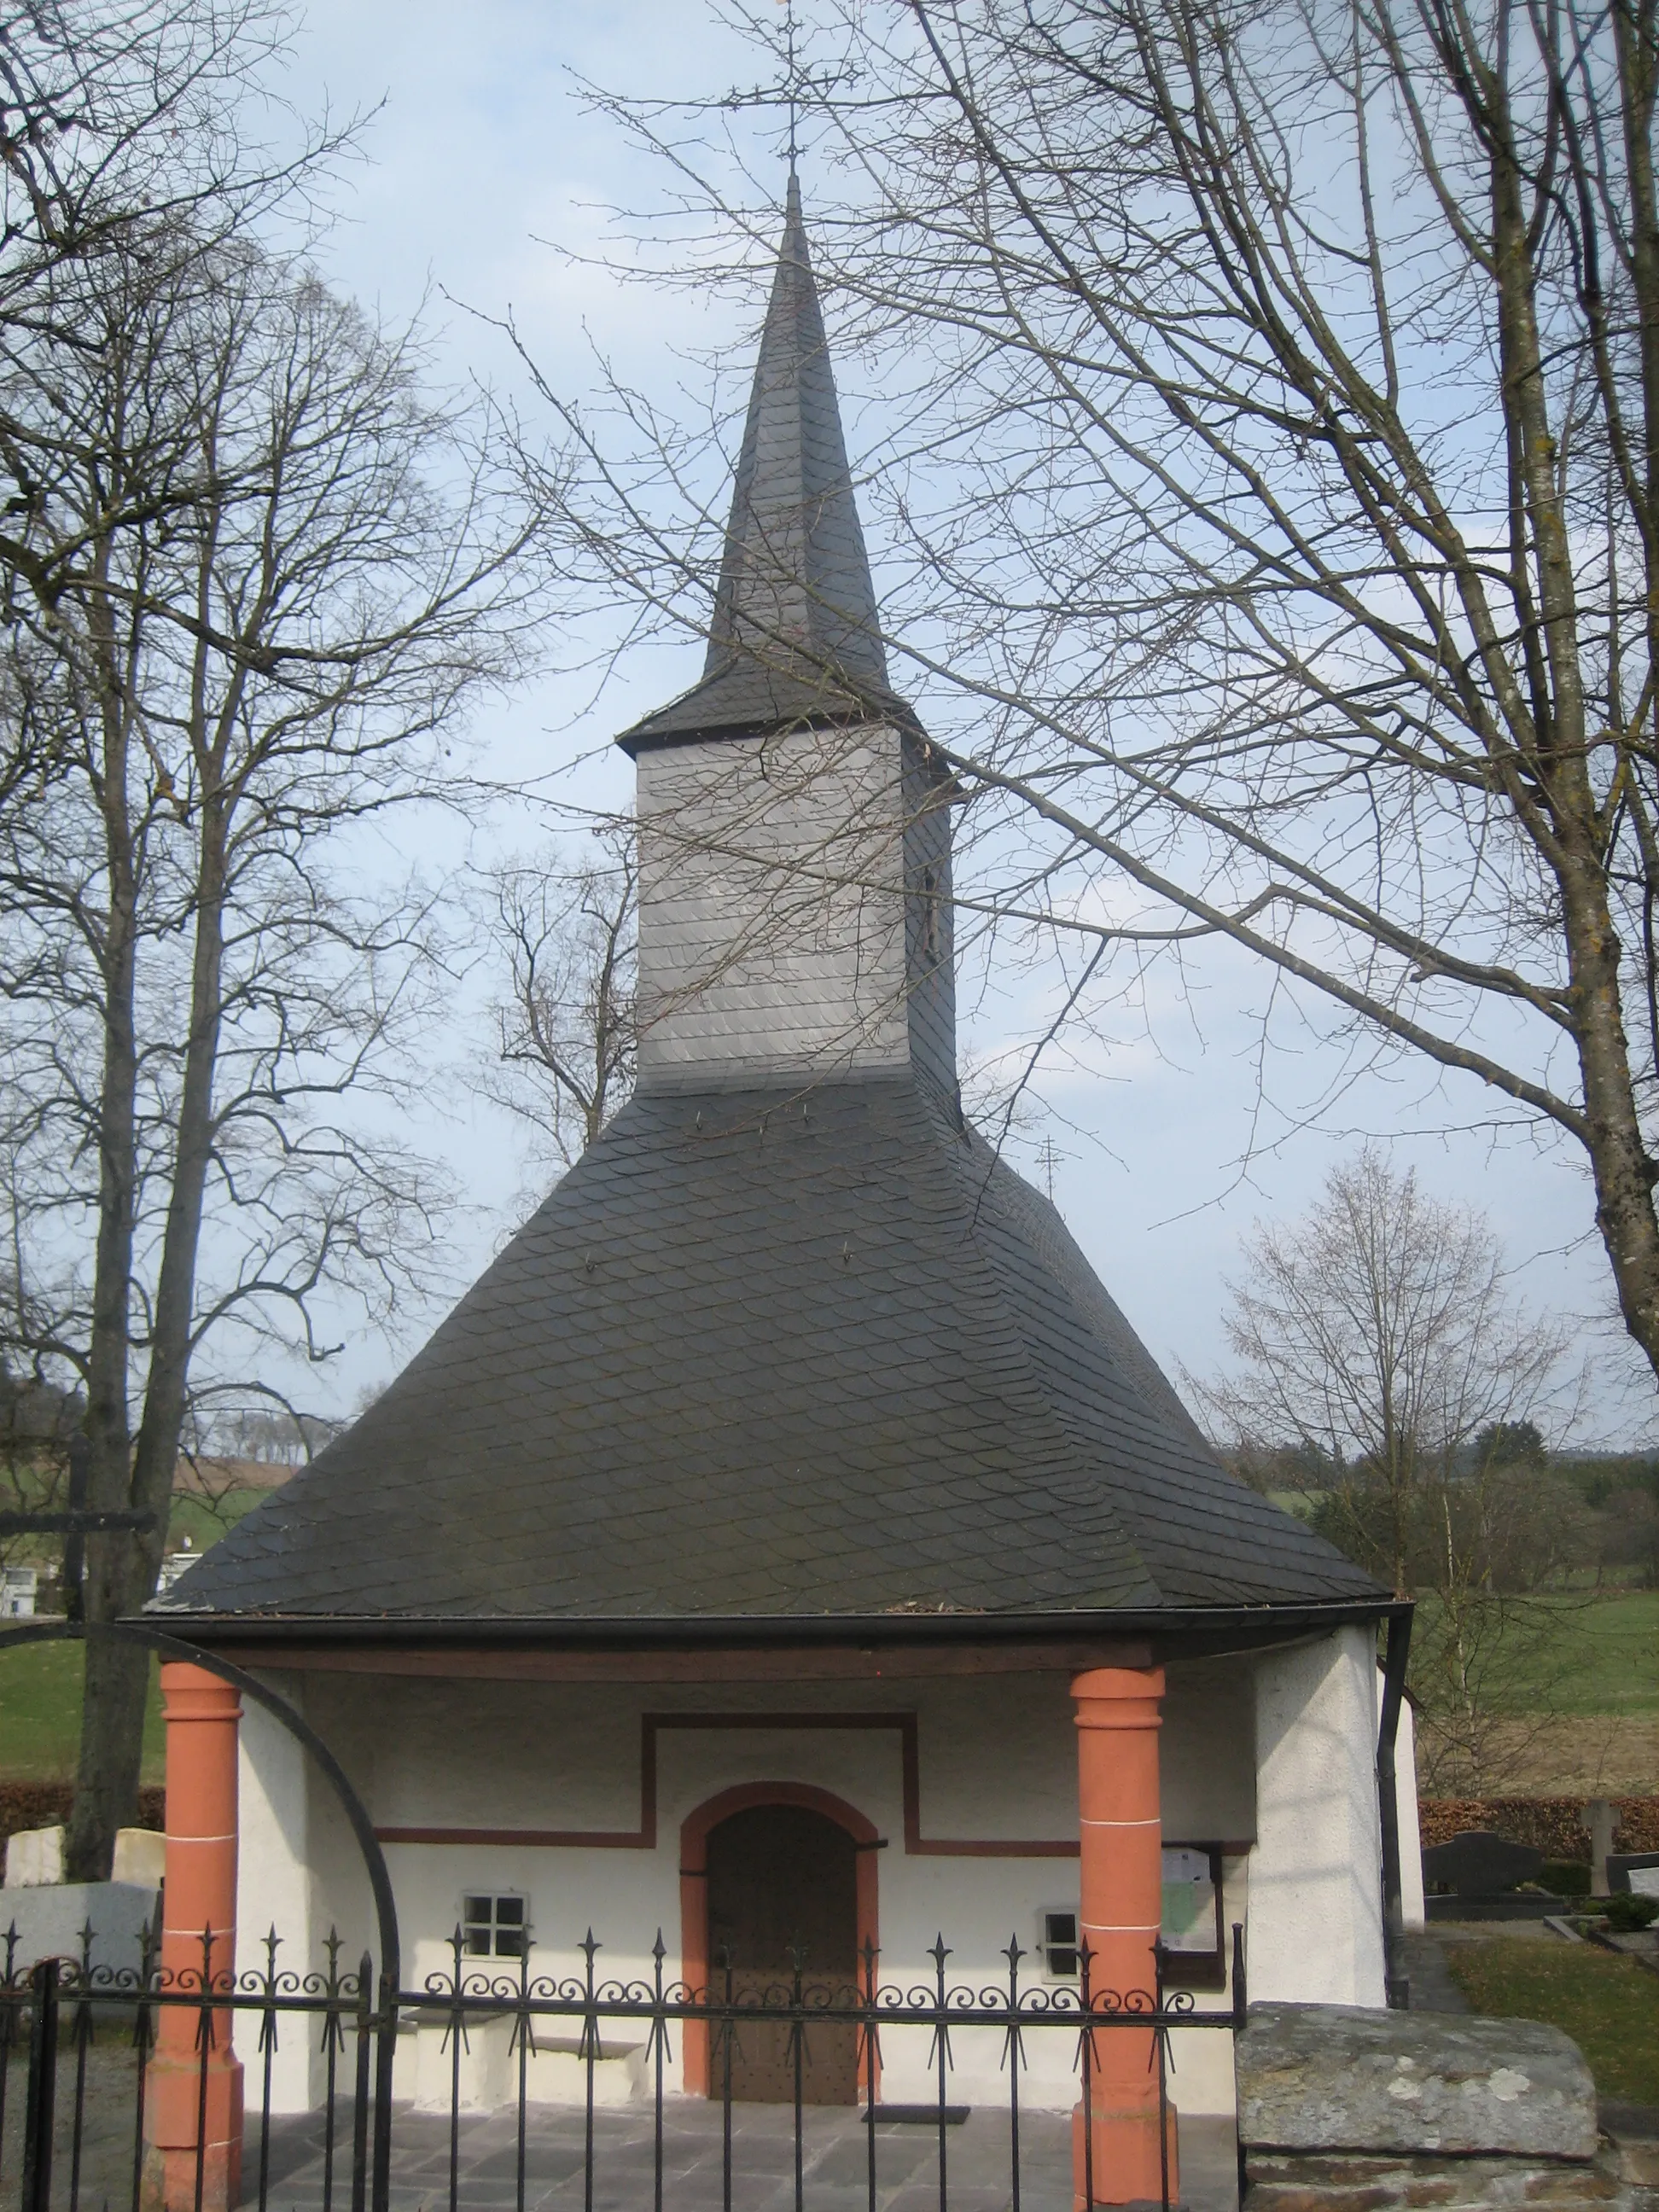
x=1625, y=1911
x=1566, y=1877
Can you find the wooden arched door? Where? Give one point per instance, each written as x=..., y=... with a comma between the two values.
x=782, y=1878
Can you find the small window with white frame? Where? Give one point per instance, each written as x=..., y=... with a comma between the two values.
x=493, y=1925
x=1057, y=1942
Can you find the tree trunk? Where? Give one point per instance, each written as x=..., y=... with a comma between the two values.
x=116, y=1688
x=107, y=1774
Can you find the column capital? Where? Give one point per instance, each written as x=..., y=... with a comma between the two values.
x=1118, y=1697
x=190, y=1693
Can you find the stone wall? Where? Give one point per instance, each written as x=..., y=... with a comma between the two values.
x=1344, y=2110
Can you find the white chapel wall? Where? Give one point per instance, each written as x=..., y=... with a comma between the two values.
x=1315, y=1921
x=274, y=1881
x=998, y=1760
x=1412, y=1910
x=772, y=920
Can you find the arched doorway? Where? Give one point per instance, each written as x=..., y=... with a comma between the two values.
x=781, y=1880
x=766, y=1868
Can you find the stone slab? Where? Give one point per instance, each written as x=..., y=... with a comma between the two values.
x=1335, y=2078
x=141, y=1855
x=1632, y=2134
x=1428, y=1975
x=34, y=1857
x=49, y=1922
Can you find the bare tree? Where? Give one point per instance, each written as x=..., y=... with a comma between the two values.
x=1379, y=1328
x=119, y=124
x=1378, y=1337
x=211, y=970
x=565, y=1023
x=1270, y=467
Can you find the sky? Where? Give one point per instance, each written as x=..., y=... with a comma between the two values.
x=485, y=188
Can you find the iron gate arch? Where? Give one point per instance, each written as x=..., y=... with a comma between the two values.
x=169, y=1646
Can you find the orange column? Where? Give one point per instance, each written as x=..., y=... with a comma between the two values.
x=1122, y=1910
x=191, y=2089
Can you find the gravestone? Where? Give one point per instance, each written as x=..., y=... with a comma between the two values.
x=1637, y=1871
x=1600, y=1818
x=1477, y=1863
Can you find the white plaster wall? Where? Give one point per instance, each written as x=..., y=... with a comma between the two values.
x=771, y=908
x=351, y=1725
x=998, y=1760
x=274, y=1890
x=1206, y=1752
x=1315, y=1933
x=1411, y=1824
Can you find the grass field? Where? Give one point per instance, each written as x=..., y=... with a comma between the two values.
x=40, y=1687
x=1608, y=2006
x=1619, y=1670
x=204, y=1522
x=41, y=1715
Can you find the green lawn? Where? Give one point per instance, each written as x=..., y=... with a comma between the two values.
x=203, y=1521
x=1619, y=1670
x=1600, y=1656
x=40, y=1714
x=40, y=1684
x=1608, y=2006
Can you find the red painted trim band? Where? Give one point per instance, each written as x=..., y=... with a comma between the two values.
x=644, y=1837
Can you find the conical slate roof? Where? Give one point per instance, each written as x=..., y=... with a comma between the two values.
x=772, y=1356
x=795, y=635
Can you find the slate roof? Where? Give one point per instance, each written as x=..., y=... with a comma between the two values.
x=795, y=635
x=775, y=1355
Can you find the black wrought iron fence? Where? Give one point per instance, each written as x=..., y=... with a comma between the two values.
x=79, y=2041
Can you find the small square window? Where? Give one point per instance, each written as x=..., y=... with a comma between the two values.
x=1191, y=1923
x=1059, y=1946
x=494, y=1927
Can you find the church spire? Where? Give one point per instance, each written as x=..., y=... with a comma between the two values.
x=795, y=635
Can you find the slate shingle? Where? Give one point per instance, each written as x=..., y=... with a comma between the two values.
x=795, y=636
x=742, y=1422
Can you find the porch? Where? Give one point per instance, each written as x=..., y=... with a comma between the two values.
x=835, y=2161
x=487, y=2163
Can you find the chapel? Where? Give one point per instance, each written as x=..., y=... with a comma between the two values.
x=788, y=1539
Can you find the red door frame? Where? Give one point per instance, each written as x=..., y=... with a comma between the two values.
x=694, y=1892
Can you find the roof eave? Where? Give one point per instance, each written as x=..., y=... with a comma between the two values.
x=643, y=737
x=1222, y=1627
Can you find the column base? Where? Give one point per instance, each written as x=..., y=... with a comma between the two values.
x=1128, y=2173
x=173, y=2097
x=169, y=2179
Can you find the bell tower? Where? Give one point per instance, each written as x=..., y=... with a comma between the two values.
x=794, y=832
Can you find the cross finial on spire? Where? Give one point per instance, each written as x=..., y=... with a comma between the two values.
x=793, y=78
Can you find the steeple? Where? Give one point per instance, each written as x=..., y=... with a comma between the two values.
x=795, y=636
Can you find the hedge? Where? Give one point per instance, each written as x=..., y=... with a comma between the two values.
x=1554, y=1825
x=46, y=1804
